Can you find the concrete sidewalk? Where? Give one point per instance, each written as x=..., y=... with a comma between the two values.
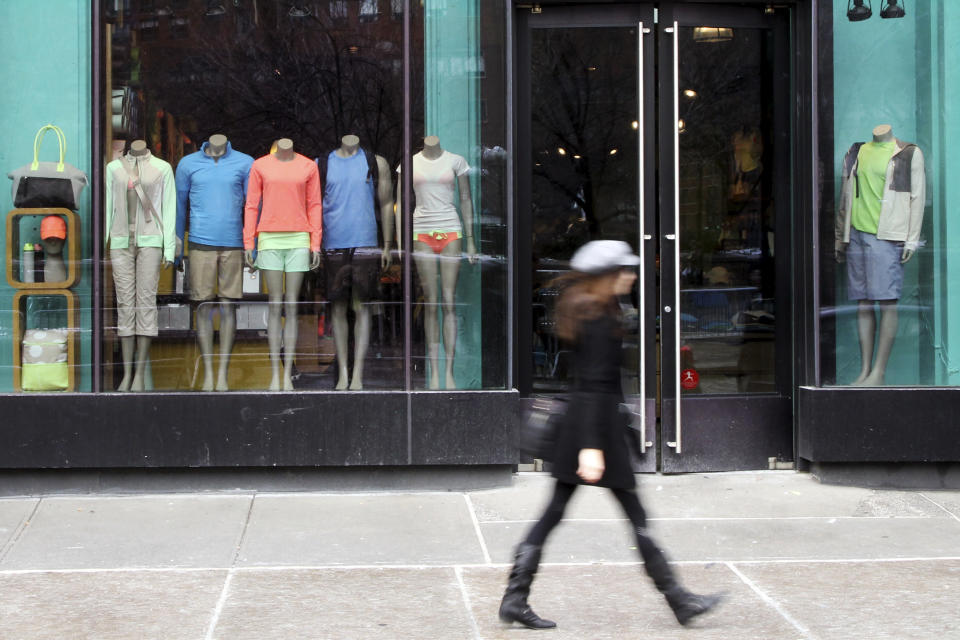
x=797, y=559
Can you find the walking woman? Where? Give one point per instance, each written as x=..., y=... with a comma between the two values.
x=591, y=445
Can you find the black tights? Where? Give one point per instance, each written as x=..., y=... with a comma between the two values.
x=654, y=560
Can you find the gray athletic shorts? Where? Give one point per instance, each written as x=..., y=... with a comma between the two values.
x=874, y=271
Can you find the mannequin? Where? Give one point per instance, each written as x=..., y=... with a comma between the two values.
x=441, y=183
x=53, y=234
x=289, y=227
x=211, y=192
x=140, y=230
x=878, y=231
x=351, y=256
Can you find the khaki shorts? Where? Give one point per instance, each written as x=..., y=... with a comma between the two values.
x=216, y=271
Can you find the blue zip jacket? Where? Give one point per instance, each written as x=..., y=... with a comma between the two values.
x=212, y=192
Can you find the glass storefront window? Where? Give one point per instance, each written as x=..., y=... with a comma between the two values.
x=251, y=224
x=888, y=311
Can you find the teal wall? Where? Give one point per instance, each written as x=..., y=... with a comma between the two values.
x=452, y=103
x=45, y=48
x=876, y=67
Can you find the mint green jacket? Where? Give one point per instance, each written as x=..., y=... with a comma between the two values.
x=156, y=179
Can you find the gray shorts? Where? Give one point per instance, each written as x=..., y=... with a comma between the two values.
x=874, y=270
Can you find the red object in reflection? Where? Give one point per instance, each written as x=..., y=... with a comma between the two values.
x=689, y=378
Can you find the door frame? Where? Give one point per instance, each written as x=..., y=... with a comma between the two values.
x=792, y=244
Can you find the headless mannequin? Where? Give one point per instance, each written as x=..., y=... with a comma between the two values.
x=349, y=146
x=135, y=350
x=872, y=371
x=216, y=147
x=54, y=268
x=283, y=290
x=430, y=266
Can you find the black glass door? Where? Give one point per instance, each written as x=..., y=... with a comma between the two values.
x=672, y=136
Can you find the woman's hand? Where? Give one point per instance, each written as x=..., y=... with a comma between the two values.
x=591, y=465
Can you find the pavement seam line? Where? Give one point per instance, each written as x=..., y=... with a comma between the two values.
x=458, y=572
x=243, y=532
x=493, y=565
x=773, y=603
x=476, y=527
x=221, y=601
x=722, y=519
x=932, y=501
x=15, y=538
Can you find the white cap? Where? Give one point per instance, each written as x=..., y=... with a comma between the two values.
x=598, y=256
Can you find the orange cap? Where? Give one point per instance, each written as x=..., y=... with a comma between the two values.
x=53, y=227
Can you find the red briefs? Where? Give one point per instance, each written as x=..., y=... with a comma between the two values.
x=437, y=240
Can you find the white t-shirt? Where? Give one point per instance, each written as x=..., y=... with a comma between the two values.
x=437, y=190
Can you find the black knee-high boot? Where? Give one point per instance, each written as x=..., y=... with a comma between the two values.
x=514, y=607
x=685, y=605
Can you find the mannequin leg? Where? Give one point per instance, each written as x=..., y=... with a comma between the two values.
x=361, y=340
x=205, y=340
x=128, y=345
x=290, y=296
x=889, y=322
x=449, y=272
x=866, y=330
x=274, y=280
x=148, y=261
x=143, y=357
x=228, y=330
x=427, y=268
x=341, y=338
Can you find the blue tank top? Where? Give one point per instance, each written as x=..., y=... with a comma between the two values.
x=349, y=219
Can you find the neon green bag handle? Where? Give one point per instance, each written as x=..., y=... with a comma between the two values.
x=61, y=138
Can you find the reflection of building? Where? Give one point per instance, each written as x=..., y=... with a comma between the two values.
x=311, y=70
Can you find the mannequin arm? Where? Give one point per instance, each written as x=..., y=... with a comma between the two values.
x=385, y=195
x=906, y=255
x=840, y=252
x=466, y=213
x=398, y=216
x=314, y=260
x=248, y=259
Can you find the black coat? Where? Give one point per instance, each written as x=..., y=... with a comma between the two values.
x=594, y=419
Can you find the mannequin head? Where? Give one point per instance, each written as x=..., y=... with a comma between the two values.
x=350, y=141
x=883, y=133
x=138, y=148
x=52, y=246
x=431, y=141
x=431, y=147
x=217, y=145
x=284, y=149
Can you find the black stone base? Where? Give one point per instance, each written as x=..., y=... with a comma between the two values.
x=324, y=479
x=889, y=475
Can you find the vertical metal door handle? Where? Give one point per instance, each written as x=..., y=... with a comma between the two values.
x=676, y=227
x=642, y=335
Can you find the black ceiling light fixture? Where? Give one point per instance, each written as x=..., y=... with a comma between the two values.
x=892, y=10
x=857, y=12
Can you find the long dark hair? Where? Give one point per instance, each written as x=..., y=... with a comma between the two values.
x=582, y=298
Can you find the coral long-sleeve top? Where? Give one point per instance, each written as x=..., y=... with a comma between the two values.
x=291, y=198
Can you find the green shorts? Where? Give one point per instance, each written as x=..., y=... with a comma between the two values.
x=284, y=259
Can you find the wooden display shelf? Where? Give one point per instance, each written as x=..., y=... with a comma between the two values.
x=71, y=248
x=19, y=327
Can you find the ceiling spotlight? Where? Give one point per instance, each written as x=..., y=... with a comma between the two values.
x=613, y=152
x=892, y=10
x=561, y=151
x=576, y=157
x=712, y=34
x=635, y=125
x=690, y=93
x=857, y=12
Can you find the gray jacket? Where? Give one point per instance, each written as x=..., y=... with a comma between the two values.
x=904, y=196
